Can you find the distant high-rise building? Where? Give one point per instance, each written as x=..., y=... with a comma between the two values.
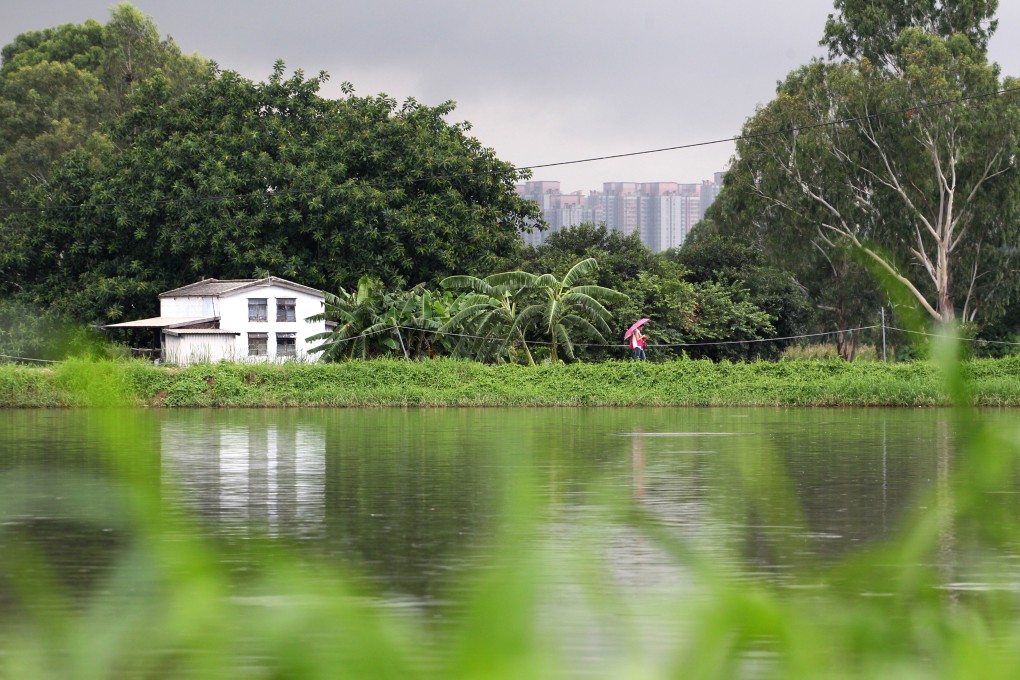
x=547, y=195
x=710, y=189
x=620, y=206
x=669, y=210
x=662, y=213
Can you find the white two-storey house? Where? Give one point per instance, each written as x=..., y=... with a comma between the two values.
x=236, y=320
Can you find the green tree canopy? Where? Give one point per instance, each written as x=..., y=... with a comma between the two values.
x=564, y=306
x=62, y=88
x=235, y=179
x=870, y=28
x=914, y=168
x=485, y=314
x=620, y=257
x=740, y=297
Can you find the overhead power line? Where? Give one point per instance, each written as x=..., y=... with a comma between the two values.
x=680, y=147
x=782, y=131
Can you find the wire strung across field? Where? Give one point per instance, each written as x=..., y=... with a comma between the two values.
x=709, y=343
x=912, y=108
x=15, y=358
x=613, y=345
x=936, y=335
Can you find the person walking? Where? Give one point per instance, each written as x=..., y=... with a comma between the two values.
x=637, y=344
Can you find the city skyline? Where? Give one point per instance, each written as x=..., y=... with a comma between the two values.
x=661, y=213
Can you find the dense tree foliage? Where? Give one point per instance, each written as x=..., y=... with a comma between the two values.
x=488, y=309
x=870, y=28
x=911, y=173
x=621, y=258
x=373, y=321
x=127, y=169
x=61, y=88
x=565, y=305
x=233, y=179
x=740, y=298
x=703, y=299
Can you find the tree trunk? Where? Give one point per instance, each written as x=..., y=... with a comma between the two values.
x=524, y=344
x=846, y=344
x=945, y=288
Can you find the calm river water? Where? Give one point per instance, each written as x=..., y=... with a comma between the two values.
x=412, y=499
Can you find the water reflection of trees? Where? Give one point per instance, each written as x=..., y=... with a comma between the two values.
x=792, y=489
x=410, y=495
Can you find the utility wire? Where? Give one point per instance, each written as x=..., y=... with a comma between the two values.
x=788, y=337
x=710, y=343
x=14, y=358
x=391, y=183
x=610, y=345
x=958, y=338
x=784, y=131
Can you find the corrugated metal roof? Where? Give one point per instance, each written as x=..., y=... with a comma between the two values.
x=162, y=322
x=207, y=287
x=199, y=331
x=216, y=287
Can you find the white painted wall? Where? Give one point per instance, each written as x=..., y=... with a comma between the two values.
x=201, y=307
x=233, y=313
x=197, y=348
x=232, y=310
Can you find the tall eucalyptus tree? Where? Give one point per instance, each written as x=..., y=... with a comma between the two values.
x=902, y=151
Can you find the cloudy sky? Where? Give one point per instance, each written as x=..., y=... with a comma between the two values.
x=542, y=81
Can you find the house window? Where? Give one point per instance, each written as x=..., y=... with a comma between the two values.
x=286, y=309
x=286, y=344
x=258, y=309
x=258, y=344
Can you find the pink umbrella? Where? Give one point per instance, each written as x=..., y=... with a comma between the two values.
x=637, y=325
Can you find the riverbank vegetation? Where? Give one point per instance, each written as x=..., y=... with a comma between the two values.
x=444, y=382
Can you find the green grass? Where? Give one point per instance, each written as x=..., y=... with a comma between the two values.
x=385, y=382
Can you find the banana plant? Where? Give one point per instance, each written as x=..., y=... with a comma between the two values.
x=565, y=305
x=360, y=325
x=488, y=312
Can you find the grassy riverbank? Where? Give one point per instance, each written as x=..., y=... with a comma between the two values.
x=992, y=382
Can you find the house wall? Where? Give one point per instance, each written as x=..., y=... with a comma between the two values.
x=203, y=307
x=196, y=348
x=233, y=313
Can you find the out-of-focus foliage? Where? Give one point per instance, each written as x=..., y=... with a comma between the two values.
x=171, y=599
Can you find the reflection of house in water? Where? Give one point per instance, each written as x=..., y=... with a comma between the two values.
x=255, y=475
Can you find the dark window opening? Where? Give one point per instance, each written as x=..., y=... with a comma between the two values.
x=286, y=309
x=286, y=344
x=258, y=344
x=258, y=309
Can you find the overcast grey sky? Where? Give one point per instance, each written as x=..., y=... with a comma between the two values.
x=542, y=81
